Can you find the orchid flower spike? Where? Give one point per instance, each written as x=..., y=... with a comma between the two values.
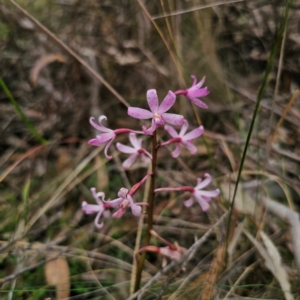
x=202, y=197
x=96, y=208
x=173, y=251
x=182, y=138
x=134, y=151
x=157, y=112
x=195, y=91
x=107, y=135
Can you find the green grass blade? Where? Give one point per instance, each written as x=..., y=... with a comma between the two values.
x=21, y=114
x=270, y=63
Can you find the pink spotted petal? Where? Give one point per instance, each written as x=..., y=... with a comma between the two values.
x=198, y=103
x=97, y=196
x=201, y=184
x=192, y=148
x=203, y=203
x=123, y=193
x=106, y=149
x=139, y=113
x=194, y=80
x=130, y=160
x=90, y=209
x=151, y=129
x=198, y=93
x=125, y=149
x=189, y=202
x=99, y=127
x=145, y=159
x=184, y=128
x=135, y=142
x=199, y=84
x=172, y=132
x=152, y=100
x=136, y=209
x=177, y=151
x=114, y=203
x=167, y=102
x=173, y=254
x=173, y=119
x=193, y=134
x=207, y=195
x=96, y=222
x=102, y=139
x=119, y=213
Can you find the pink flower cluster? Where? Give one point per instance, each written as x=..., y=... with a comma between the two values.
x=160, y=118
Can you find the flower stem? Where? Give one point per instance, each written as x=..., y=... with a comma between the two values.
x=149, y=212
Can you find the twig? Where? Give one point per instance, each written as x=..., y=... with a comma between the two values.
x=179, y=262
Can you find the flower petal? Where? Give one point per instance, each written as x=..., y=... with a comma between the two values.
x=193, y=134
x=198, y=103
x=100, y=127
x=135, y=142
x=189, y=202
x=203, y=203
x=201, y=184
x=177, y=151
x=184, y=128
x=96, y=222
x=114, y=203
x=173, y=119
x=172, y=132
x=106, y=149
x=152, y=100
x=192, y=148
x=136, y=209
x=139, y=113
x=90, y=209
x=119, y=213
x=130, y=160
x=125, y=149
x=97, y=196
x=151, y=129
x=198, y=93
x=167, y=102
x=208, y=194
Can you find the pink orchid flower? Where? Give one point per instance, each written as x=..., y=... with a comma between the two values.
x=125, y=200
x=173, y=251
x=202, y=197
x=182, y=138
x=96, y=208
x=157, y=112
x=107, y=135
x=134, y=151
x=195, y=91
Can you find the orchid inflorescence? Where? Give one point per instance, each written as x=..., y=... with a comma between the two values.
x=160, y=118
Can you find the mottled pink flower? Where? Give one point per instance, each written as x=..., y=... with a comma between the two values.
x=195, y=91
x=157, y=112
x=107, y=135
x=96, y=208
x=182, y=138
x=173, y=251
x=123, y=202
x=202, y=197
x=134, y=151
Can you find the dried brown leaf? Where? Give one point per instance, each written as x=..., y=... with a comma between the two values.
x=42, y=62
x=57, y=273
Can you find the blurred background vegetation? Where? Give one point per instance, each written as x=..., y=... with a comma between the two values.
x=49, y=249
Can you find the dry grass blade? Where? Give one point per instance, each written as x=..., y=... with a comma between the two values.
x=57, y=273
x=273, y=262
